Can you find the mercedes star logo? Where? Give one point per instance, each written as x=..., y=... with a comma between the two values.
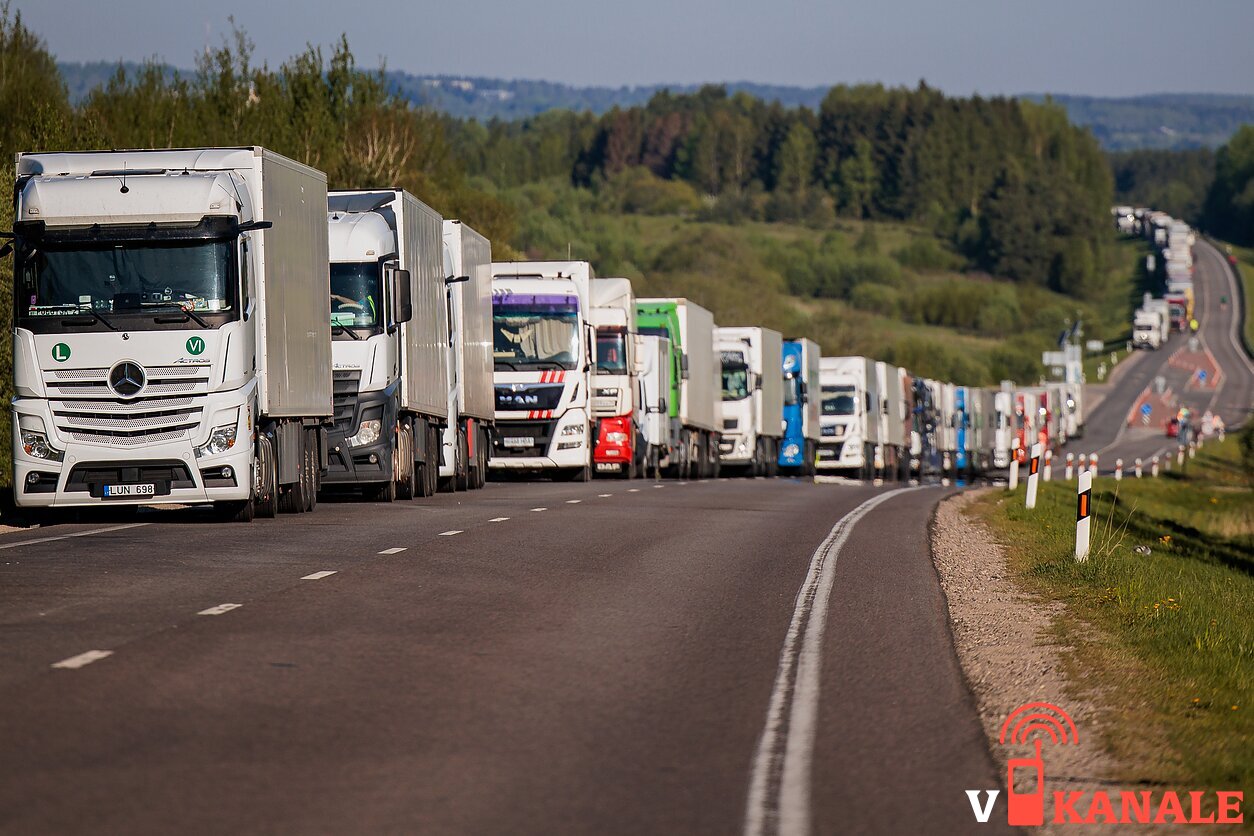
x=127, y=378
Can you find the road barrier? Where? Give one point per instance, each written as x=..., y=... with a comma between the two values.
x=1084, y=510
x=1047, y=472
x=1069, y=472
x=1118, y=470
x=1154, y=466
x=1093, y=464
x=1034, y=468
x=1137, y=467
x=1014, y=464
x=1180, y=455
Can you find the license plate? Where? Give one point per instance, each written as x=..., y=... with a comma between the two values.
x=130, y=490
x=518, y=441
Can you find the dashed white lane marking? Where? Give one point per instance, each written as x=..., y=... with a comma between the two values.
x=451, y=532
x=498, y=519
x=604, y=495
x=75, y=662
x=573, y=501
x=779, y=786
x=394, y=550
x=219, y=609
x=317, y=576
x=659, y=486
x=539, y=509
x=75, y=534
x=633, y=490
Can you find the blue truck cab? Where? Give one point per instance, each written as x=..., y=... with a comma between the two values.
x=798, y=448
x=962, y=425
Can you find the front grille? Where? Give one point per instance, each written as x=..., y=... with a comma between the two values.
x=830, y=452
x=87, y=410
x=344, y=386
x=541, y=432
x=605, y=406
x=731, y=423
x=517, y=397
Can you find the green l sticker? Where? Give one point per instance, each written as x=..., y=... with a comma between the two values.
x=195, y=345
x=60, y=352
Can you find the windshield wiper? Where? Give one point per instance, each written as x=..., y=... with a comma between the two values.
x=187, y=313
x=345, y=330
x=91, y=313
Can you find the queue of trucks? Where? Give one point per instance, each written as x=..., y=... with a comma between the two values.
x=1170, y=268
x=212, y=326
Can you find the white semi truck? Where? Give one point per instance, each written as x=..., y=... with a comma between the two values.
x=893, y=455
x=390, y=361
x=752, y=398
x=617, y=448
x=467, y=437
x=1151, y=324
x=653, y=405
x=543, y=368
x=850, y=420
x=171, y=337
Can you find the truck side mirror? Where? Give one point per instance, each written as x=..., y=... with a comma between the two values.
x=637, y=354
x=755, y=381
x=803, y=392
x=402, y=301
x=683, y=366
x=253, y=225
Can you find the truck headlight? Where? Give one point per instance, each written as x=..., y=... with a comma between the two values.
x=36, y=445
x=220, y=440
x=791, y=450
x=368, y=433
x=572, y=429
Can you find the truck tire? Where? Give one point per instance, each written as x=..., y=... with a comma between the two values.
x=292, y=500
x=461, y=473
x=406, y=486
x=266, y=503
x=311, y=469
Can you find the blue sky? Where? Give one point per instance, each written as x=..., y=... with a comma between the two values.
x=1097, y=47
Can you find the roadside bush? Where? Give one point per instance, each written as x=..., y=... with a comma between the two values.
x=876, y=298
x=928, y=254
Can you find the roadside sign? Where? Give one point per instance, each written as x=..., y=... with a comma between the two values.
x=1201, y=375
x=1146, y=409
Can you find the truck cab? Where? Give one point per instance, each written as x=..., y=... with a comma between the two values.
x=618, y=448
x=752, y=398
x=799, y=447
x=543, y=366
x=849, y=415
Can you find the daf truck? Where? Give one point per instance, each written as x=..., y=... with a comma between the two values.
x=802, y=389
x=467, y=437
x=753, y=399
x=390, y=358
x=618, y=449
x=542, y=361
x=172, y=330
x=695, y=383
x=850, y=419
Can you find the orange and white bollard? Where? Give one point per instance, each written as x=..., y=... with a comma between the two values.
x=1093, y=465
x=1192, y=449
x=1034, y=475
x=1084, y=510
x=1154, y=466
x=1118, y=470
x=1014, y=464
x=1047, y=472
x=1180, y=455
x=1137, y=468
x=1069, y=471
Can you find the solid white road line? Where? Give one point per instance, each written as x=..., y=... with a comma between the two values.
x=75, y=662
x=394, y=550
x=779, y=785
x=75, y=534
x=450, y=533
x=498, y=519
x=573, y=501
x=317, y=576
x=219, y=609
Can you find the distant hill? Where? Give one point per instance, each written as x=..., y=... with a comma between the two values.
x=1166, y=121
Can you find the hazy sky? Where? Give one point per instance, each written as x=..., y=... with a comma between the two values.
x=1098, y=47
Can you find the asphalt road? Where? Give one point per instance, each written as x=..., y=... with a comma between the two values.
x=606, y=658
x=1106, y=432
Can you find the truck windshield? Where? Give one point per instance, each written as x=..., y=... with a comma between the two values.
x=792, y=390
x=535, y=330
x=355, y=294
x=735, y=377
x=838, y=400
x=611, y=351
x=61, y=279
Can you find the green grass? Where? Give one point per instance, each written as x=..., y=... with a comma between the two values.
x=1168, y=637
x=1245, y=265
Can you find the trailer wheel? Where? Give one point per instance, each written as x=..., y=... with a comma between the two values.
x=311, y=469
x=267, y=500
x=461, y=472
x=405, y=482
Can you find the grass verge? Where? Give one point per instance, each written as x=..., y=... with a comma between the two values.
x=1167, y=638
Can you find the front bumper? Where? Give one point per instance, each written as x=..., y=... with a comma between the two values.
x=364, y=464
x=548, y=448
x=845, y=454
x=736, y=449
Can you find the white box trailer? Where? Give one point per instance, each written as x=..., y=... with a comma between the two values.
x=467, y=436
x=753, y=398
x=653, y=403
x=142, y=370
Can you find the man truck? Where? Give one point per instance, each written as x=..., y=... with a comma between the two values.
x=753, y=398
x=695, y=382
x=542, y=358
x=617, y=449
x=172, y=330
x=467, y=440
x=799, y=449
x=388, y=321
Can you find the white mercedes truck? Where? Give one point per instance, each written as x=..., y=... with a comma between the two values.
x=541, y=353
x=752, y=398
x=388, y=325
x=171, y=338
x=471, y=406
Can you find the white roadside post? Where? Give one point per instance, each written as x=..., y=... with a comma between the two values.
x=1118, y=470
x=1192, y=449
x=1093, y=465
x=1014, y=464
x=1082, y=464
x=1084, y=509
x=1154, y=466
x=1137, y=467
x=1034, y=467
x=1047, y=472
x=1069, y=472
x=1180, y=455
